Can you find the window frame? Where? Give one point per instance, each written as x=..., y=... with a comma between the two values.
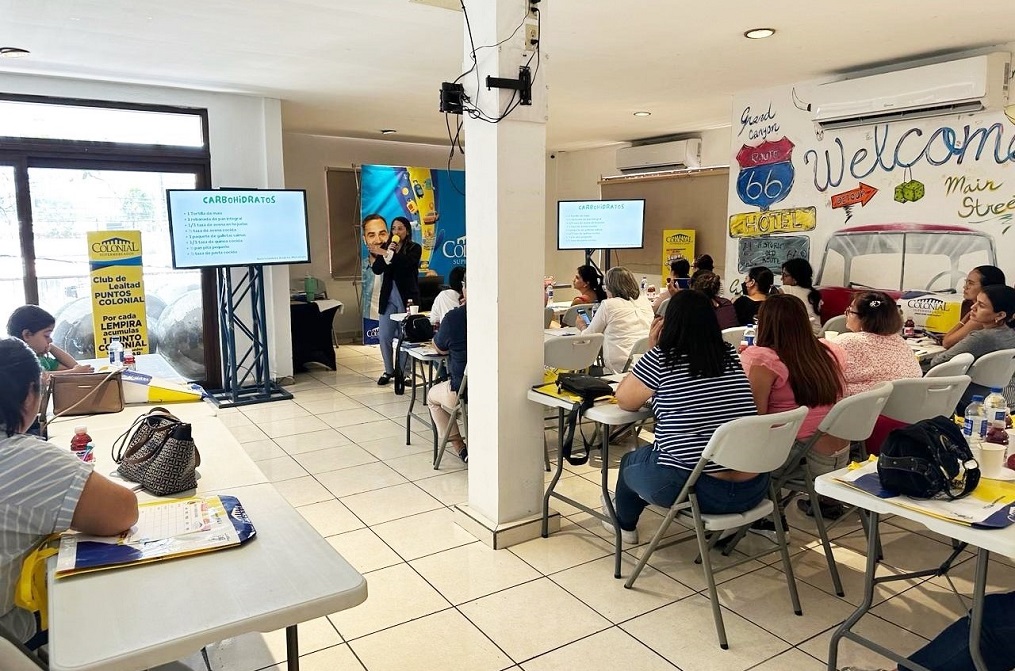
x=26, y=153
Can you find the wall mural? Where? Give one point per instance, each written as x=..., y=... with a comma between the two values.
x=908, y=205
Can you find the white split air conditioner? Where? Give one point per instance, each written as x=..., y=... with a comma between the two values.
x=660, y=156
x=968, y=85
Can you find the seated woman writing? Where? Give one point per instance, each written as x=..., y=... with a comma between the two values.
x=35, y=326
x=788, y=368
x=43, y=489
x=696, y=384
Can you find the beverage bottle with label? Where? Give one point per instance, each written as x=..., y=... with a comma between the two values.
x=549, y=293
x=81, y=444
x=129, y=362
x=974, y=428
x=995, y=406
x=115, y=352
x=750, y=333
x=644, y=285
x=909, y=329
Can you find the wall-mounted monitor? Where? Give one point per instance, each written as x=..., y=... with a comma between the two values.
x=211, y=229
x=601, y=224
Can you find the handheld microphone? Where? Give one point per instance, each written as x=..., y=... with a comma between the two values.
x=393, y=241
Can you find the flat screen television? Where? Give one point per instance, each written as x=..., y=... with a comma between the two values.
x=601, y=224
x=212, y=229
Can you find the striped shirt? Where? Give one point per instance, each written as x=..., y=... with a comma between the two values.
x=688, y=409
x=40, y=485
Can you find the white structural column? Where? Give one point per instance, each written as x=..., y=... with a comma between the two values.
x=504, y=212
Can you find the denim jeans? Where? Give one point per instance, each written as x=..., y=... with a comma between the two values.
x=949, y=651
x=388, y=329
x=643, y=481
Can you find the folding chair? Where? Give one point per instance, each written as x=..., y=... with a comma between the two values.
x=993, y=370
x=836, y=323
x=924, y=397
x=851, y=419
x=574, y=353
x=547, y=317
x=14, y=656
x=460, y=409
x=957, y=366
x=570, y=316
x=752, y=444
x=734, y=335
x=639, y=348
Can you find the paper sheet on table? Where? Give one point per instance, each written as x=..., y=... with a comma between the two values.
x=990, y=506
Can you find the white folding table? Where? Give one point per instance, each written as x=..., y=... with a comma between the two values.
x=1001, y=541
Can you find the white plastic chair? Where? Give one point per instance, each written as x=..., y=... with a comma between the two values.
x=851, y=419
x=994, y=370
x=639, y=348
x=924, y=397
x=570, y=316
x=734, y=335
x=836, y=323
x=460, y=409
x=752, y=444
x=576, y=352
x=16, y=657
x=547, y=317
x=956, y=366
x=663, y=307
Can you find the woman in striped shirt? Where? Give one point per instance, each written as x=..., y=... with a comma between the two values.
x=696, y=383
x=44, y=489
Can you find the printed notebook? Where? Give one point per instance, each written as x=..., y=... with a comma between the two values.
x=164, y=530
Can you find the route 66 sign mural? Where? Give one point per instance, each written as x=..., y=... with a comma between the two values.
x=766, y=173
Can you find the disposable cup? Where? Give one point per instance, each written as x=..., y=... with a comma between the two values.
x=991, y=459
x=414, y=310
x=831, y=335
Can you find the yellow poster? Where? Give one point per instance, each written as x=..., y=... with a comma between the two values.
x=421, y=204
x=677, y=244
x=117, y=284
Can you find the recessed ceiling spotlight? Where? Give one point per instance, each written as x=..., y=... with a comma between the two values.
x=13, y=52
x=759, y=33
x=388, y=131
x=643, y=113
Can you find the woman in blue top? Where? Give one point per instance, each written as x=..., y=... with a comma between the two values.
x=696, y=383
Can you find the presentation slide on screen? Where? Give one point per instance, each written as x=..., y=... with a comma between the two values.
x=238, y=228
x=600, y=224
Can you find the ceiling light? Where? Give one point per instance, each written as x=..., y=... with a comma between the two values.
x=388, y=131
x=13, y=52
x=759, y=33
x=643, y=113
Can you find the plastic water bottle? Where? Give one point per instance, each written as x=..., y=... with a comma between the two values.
x=975, y=426
x=644, y=285
x=115, y=352
x=549, y=293
x=995, y=407
x=750, y=333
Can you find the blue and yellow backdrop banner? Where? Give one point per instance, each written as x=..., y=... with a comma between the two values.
x=434, y=201
x=117, y=286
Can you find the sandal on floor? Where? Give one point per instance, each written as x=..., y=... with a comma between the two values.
x=384, y=379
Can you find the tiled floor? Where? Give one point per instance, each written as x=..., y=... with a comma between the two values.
x=440, y=599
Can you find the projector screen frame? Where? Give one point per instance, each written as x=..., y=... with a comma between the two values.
x=172, y=238
x=641, y=244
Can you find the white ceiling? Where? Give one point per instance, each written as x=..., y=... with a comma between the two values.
x=352, y=67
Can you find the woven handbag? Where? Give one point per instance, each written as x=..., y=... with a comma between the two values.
x=158, y=451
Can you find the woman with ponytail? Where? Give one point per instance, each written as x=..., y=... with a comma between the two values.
x=798, y=280
x=589, y=283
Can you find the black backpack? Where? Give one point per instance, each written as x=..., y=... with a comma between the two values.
x=417, y=328
x=926, y=459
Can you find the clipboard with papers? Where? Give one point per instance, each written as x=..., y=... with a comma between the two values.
x=164, y=530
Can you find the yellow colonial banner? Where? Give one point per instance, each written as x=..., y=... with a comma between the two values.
x=117, y=284
x=677, y=244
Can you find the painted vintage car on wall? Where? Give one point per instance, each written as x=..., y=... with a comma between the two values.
x=899, y=258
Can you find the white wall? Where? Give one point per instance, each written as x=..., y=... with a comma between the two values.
x=575, y=175
x=307, y=159
x=246, y=150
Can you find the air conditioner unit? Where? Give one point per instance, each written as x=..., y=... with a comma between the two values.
x=660, y=156
x=968, y=85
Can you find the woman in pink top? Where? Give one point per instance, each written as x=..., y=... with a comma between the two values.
x=789, y=367
x=875, y=352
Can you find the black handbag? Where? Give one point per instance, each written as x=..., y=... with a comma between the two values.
x=928, y=459
x=589, y=389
